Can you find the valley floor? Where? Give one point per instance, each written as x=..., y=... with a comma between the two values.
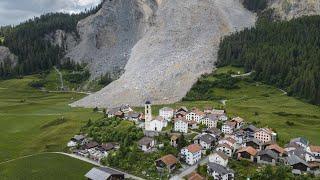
x=32, y=121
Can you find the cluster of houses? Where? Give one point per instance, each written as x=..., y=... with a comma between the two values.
x=87, y=147
x=235, y=139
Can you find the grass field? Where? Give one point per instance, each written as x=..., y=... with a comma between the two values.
x=45, y=166
x=28, y=119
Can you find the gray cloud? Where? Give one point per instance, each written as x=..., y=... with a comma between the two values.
x=15, y=11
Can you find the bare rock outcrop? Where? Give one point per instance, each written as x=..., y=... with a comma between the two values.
x=65, y=40
x=108, y=36
x=288, y=9
x=6, y=57
x=178, y=48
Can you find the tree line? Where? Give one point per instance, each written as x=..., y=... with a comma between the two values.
x=281, y=53
x=27, y=42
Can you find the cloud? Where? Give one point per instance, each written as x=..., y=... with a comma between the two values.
x=16, y=11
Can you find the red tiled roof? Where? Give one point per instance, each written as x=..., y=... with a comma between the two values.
x=195, y=176
x=194, y=148
x=249, y=150
x=231, y=123
x=315, y=148
x=169, y=159
x=276, y=147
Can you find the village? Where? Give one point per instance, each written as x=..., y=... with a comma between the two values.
x=216, y=139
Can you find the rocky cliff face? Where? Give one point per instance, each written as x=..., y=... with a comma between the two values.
x=108, y=36
x=7, y=57
x=67, y=41
x=180, y=45
x=288, y=9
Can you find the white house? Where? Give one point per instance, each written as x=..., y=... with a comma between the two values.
x=221, y=114
x=195, y=114
x=191, y=153
x=228, y=127
x=230, y=141
x=225, y=148
x=210, y=120
x=157, y=124
x=218, y=158
x=239, y=122
x=265, y=135
x=220, y=172
x=166, y=113
x=146, y=143
x=206, y=141
x=181, y=125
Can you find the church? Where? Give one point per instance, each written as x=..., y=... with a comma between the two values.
x=156, y=124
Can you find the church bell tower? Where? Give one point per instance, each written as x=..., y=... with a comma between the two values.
x=147, y=114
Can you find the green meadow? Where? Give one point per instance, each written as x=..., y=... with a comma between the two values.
x=32, y=121
x=45, y=166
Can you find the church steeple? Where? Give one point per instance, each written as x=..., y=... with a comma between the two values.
x=148, y=111
x=147, y=116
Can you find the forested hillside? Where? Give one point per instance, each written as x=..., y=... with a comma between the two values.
x=27, y=41
x=284, y=54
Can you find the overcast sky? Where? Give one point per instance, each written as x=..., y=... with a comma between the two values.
x=13, y=12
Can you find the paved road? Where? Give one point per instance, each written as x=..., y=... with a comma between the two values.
x=127, y=175
x=190, y=169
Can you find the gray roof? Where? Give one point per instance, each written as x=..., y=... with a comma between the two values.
x=256, y=141
x=145, y=141
x=293, y=159
x=214, y=131
x=212, y=117
x=207, y=138
x=301, y=140
x=100, y=173
x=113, y=110
x=132, y=115
x=251, y=127
x=268, y=152
x=78, y=137
x=300, y=153
x=219, y=168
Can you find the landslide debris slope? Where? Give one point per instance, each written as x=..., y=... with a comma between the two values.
x=107, y=37
x=289, y=9
x=180, y=45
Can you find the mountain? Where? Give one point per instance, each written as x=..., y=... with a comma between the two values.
x=180, y=45
x=108, y=36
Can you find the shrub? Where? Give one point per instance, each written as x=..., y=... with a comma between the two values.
x=38, y=84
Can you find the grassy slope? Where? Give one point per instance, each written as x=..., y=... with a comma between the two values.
x=45, y=166
x=21, y=123
x=53, y=82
